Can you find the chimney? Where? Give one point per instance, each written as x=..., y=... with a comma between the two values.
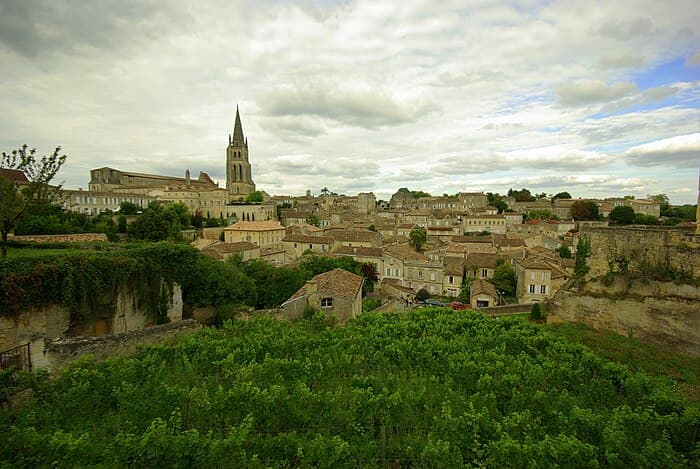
x=312, y=293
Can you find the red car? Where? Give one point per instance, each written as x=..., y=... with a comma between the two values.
x=458, y=305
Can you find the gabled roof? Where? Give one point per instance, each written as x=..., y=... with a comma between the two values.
x=482, y=259
x=358, y=251
x=453, y=266
x=14, y=175
x=302, y=238
x=255, y=226
x=405, y=253
x=472, y=239
x=481, y=286
x=336, y=282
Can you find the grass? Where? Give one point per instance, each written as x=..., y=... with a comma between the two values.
x=17, y=253
x=652, y=359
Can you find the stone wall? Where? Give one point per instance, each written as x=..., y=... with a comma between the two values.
x=642, y=248
x=53, y=321
x=60, y=352
x=665, y=313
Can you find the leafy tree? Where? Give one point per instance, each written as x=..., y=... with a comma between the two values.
x=417, y=237
x=313, y=220
x=14, y=200
x=496, y=200
x=662, y=199
x=372, y=227
x=536, y=312
x=584, y=210
x=324, y=191
x=465, y=292
x=523, y=195
x=583, y=252
x=128, y=208
x=562, y=195
x=121, y=224
x=422, y=294
x=254, y=197
x=504, y=277
x=564, y=252
x=641, y=219
x=541, y=214
x=622, y=215
x=684, y=212
x=159, y=222
x=371, y=277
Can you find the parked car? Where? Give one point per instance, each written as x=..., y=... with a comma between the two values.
x=434, y=302
x=458, y=305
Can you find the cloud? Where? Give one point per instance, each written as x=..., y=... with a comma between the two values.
x=682, y=151
x=620, y=60
x=366, y=107
x=582, y=93
x=694, y=59
x=625, y=29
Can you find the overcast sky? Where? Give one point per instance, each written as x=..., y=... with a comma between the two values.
x=596, y=98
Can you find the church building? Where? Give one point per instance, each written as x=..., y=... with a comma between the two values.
x=239, y=180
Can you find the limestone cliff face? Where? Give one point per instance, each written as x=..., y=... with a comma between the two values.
x=665, y=313
x=54, y=321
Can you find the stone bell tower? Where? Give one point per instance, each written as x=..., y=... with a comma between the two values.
x=239, y=181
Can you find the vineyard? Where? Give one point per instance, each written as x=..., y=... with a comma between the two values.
x=428, y=388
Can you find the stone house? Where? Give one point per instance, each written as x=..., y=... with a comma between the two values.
x=223, y=251
x=538, y=279
x=453, y=275
x=296, y=244
x=414, y=269
x=372, y=256
x=356, y=238
x=482, y=294
x=479, y=223
x=261, y=233
x=336, y=292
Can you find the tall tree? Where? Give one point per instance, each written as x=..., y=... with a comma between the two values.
x=504, y=277
x=622, y=215
x=584, y=210
x=417, y=237
x=24, y=181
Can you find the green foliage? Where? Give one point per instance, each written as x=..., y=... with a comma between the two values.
x=417, y=237
x=504, y=277
x=15, y=200
x=622, y=215
x=254, y=197
x=584, y=210
x=161, y=222
x=641, y=219
x=128, y=208
x=536, y=312
x=562, y=195
x=313, y=220
x=87, y=282
x=583, y=252
x=662, y=199
x=428, y=388
x=496, y=200
x=523, y=195
x=372, y=227
x=422, y=294
x=465, y=292
x=370, y=304
x=414, y=194
x=564, y=252
x=541, y=214
x=684, y=212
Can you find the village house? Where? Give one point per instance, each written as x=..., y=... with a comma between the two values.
x=482, y=294
x=264, y=234
x=415, y=270
x=356, y=238
x=223, y=251
x=336, y=292
x=453, y=275
x=296, y=244
x=371, y=256
x=538, y=279
x=479, y=223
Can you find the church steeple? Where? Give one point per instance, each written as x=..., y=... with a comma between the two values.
x=238, y=129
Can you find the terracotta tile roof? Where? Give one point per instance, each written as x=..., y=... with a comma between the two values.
x=405, y=252
x=354, y=236
x=472, y=239
x=453, y=266
x=302, y=238
x=534, y=264
x=480, y=286
x=336, y=282
x=255, y=226
x=359, y=251
x=14, y=175
x=218, y=250
x=483, y=259
x=510, y=242
x=440, y=228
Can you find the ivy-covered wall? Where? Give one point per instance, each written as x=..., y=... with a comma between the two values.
x=92, y=292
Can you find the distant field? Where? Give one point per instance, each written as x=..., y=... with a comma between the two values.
x=637, y=355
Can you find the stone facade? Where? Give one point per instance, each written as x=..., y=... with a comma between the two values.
x=660, y=312
x=239, y=178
